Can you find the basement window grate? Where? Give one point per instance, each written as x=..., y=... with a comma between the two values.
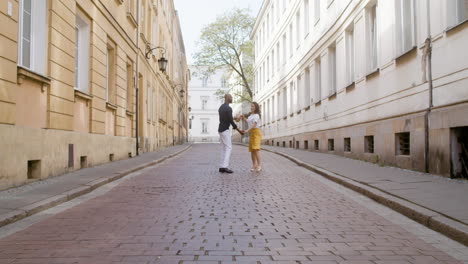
x=403, y=143
x=331, y=144
x=347, y=144
x=369, y=144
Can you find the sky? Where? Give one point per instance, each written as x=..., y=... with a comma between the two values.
x=195, y=14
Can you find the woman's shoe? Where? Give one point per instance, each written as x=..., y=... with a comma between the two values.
x=253, y=169
x=259, y=169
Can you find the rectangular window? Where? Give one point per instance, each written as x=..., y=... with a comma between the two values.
x=268, y=114
x=290, y=40
x=299, y=92
x=32, y=35
x=307, y=99
x=298, y=29
x=316, y=145
x=457, y=12
x=347, y=144
x=284, y=48
x=331, y=144
x=291, y=98
x=318, y=79
x=204, y=126
x=81, y=53
x=278, y=105
x=402, y=143
x=372, y=38
x=278, y=56
x=332, y=70
x=272, y=63
x=204, y=82
x=285, y=102
x=148, y=102
x=154, y=34
x=316, y=11
x=306, y=18
x=204, y=102
x=130, y=86
x=350, y=54
x=110, y=73
x=405, y=26
x=369, y=144
x=268, y=69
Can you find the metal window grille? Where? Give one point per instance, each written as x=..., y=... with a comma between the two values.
x=369, y=144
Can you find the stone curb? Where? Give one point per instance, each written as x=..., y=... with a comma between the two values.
x=429, y=218
x=21, y=213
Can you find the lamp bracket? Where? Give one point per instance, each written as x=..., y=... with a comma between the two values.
x=149, y=50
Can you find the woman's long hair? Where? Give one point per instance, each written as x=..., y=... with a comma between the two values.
x=257, y=109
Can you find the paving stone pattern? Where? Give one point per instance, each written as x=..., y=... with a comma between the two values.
x=184, y=211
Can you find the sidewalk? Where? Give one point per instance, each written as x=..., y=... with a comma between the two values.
x=437, y=202
x=20, y=202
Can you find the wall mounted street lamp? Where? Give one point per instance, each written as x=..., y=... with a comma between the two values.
x=162, y=62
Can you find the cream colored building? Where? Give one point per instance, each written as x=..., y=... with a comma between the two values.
x=356, y=78
x=68, y=84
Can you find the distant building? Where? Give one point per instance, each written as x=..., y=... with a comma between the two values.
x=204, y=104
x=351, y=78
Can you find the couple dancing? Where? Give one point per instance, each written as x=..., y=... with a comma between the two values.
x=226, y=120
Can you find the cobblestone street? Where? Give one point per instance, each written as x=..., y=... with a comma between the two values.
x=185, y=211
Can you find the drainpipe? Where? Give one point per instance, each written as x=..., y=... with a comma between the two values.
x=137, y=78
x=428, y=54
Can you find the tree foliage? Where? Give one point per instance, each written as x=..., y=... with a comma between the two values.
x=225, y=44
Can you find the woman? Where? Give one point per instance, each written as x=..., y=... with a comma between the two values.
x=254, y=122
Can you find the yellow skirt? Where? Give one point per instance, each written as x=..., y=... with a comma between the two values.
x=255, y=139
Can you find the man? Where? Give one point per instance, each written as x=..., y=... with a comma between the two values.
x=225, y=121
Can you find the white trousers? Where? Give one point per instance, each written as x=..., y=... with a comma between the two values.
x=226, y=148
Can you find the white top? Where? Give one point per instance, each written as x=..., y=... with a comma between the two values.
x=254, y=118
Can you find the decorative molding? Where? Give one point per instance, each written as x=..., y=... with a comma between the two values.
x=24, y=73
x=132, y=19
x=111, y=106
x=84, y=96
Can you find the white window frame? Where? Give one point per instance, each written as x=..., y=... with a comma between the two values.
x=82, y=43
x=306, y=86
x=332, y=70
x=298, y=29
x=372, y=38
x=350, y=62
x=405, y=26
x=455, y=15
x=273, y=63
x=278, y=57
x=318, y=78
x=291, y=40
x=306, y=18
x=316, y=11
x=37, y=36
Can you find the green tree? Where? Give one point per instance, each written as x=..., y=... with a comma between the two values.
x=225, y=44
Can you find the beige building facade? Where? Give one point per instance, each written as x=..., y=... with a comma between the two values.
x=385, y=81
x=70, y=75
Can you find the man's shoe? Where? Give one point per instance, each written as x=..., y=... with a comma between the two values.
x=221, y=169
x=225, y=170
